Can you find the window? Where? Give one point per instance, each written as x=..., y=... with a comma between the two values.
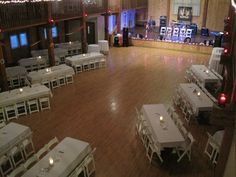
x=112, y=23
x=14, y=41
x=23, y=39
x=54, y=32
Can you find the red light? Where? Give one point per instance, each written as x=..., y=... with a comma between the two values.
x=109, y=11
x=226, y=51
x=222, y=99
x=226, y=33
x=51, y=21
x=85, y=14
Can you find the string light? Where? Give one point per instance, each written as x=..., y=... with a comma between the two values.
x=23, y=1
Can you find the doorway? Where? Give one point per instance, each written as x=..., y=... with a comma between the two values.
x=90, y=30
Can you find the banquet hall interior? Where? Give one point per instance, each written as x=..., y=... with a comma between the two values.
x=117, y=88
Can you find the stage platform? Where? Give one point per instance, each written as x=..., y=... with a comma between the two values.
x=196, y=45
x=172, y=45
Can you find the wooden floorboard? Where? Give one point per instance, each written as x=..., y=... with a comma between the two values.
x=99, y=108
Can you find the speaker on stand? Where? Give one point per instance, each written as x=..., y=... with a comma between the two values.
x=125, y=37
x=162, y=22
x=218, y=40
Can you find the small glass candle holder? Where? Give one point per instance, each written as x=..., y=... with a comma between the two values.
x=198, y=93
x=51, y=161
x=21, y=90
x=161, y=119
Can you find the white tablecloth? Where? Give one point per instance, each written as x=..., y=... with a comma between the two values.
x=14, y=96
x=93, y=48
x=218, y=136
x=70, y=46
x=80, y=59
x=214, y=62
x=15, y=71
x=67, y=155
x=198, y=103
x=56, y=71
x=103, y=44
x=165, y=133
x=200, y=72
x=11, y=135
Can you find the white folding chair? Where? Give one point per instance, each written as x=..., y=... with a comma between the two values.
x=152, y=149
x=5, y=165
x=17, y=172
x=11, y=112
x=33, y=105
x=61, y=80
x=211, y=147
x=89, y=163
x=69, y=79
x=102, y=63
x=183, y=131
x=86, y=66
x=44, y=103
x=52, y=143
x=55, y=83
x=186, y=148
x=30, y=162
x=28, y=147
x=21, y=108
x=16, y=155
x=42, y=152
x=92, y=64
x=78, y=171
x=78, y=68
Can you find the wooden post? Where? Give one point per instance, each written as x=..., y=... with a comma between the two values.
x=83, y=32
x=106, y=16
x=204, y=17
x=51, y=54
x=168, y=13
x=118, y=22
x=4, y=84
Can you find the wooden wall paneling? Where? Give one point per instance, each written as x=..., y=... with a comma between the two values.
x=217, y=11
x=3, y=79
x=157, y=8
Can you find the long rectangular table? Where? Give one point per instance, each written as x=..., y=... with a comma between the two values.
x=188, y=91
x=15, y=96
x=11, y=135
x=67, y=155
x=54, y=72
x=165, y=133
x=80, y=59
x=204, y=75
